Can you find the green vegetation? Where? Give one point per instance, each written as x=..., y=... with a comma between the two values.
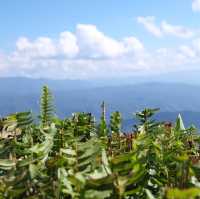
x=79, y=158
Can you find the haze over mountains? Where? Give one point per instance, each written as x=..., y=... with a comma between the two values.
x=21, y=94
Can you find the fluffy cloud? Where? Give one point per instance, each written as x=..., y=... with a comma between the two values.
x=196, y=5
x=41, y=47
x=94, y=44
x=133, y=45
x=67, y=44
x=191, y=52
x=89, y=53
x=87, y=42
x=164, y=28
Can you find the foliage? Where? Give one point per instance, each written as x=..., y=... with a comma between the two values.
x=46, y=106
x=146, y=123
x=115, y=122
x=76, y=158
x=102, y=127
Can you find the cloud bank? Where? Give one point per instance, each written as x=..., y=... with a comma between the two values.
x=89, y=53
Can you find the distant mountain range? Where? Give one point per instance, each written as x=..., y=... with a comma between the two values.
x=20, y=94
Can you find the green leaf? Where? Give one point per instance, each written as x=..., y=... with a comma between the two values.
x=91, y=194
x=6, y=164
x=149, y=194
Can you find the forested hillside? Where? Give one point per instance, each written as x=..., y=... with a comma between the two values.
x=80, y=158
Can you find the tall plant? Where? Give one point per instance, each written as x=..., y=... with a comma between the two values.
x=46, y=107
x=115, y=122
x=102, y=127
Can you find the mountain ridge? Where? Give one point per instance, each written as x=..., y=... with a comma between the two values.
x=22, y=94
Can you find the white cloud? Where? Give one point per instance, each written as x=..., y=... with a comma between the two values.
x=22, y=44
x=88, y=53
x=86, y=42
x=165, y=28
x=196, y=5
x=94, y=44
x=196, y=45
x=149, y=23
x=132, y=44
x=68, y=44
x=46, y=47
x=187, y=51
x=178, y=31
x=41, y=47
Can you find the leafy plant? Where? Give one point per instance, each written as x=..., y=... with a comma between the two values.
x=115, y=122
x=102, y=127
x=74, y=158
x=46, y=107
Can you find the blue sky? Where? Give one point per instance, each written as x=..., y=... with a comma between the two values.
x=33, y=18
x=90, y=38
